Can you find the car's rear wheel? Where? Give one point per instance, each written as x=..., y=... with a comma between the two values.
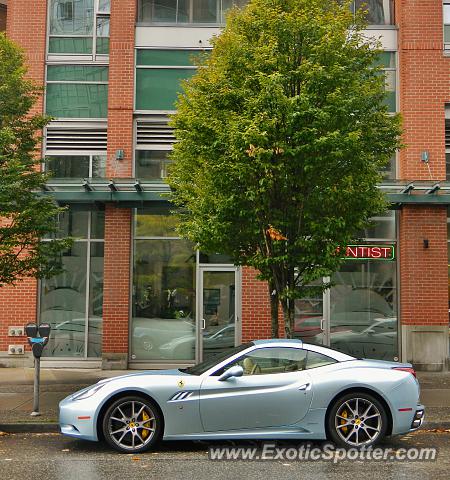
x=132, y=424
x=357, y=420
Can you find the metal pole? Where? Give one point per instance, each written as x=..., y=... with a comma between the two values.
x=37, y=375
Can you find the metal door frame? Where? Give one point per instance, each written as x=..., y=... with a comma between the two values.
x=199, y=322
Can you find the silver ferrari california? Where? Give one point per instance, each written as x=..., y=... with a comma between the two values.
x=266, y=389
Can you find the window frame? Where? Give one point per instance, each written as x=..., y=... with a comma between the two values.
x=224, y=367
x=71, y=56
x=160, y=67
x=76, y=82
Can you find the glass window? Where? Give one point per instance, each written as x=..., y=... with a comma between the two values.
x=387, y=60
x=102, y=40
x=265, y=361
x=155, y=222
x=68, y=166
x=163, y=324
x=152, y=57
x=74, y=223
x=72, y=305
x=152, y=164
x=364, y=309
x=382, y=228
x=157, y=89
x=447, y=164
x=186, y=11
x=77, y=91
x=74, y=24
x=315, y=360
x=76, y=166
x=104, y=6
x=71, y=17
x=379, y=12
x=63, y=304
x=447, y=22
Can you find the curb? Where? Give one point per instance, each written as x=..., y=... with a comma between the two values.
x=29, y=427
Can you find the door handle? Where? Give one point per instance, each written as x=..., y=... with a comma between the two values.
x=322, y=321
x=203, y=323
x=306, y=387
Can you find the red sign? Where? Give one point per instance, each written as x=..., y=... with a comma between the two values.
x=370, y=252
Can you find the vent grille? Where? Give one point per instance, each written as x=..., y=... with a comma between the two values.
x=181, y=396
x=76, y=138
x=153, y=134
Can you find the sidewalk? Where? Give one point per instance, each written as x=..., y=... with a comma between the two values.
x=16, y=395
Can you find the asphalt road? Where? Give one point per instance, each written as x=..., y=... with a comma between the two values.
x=51, y=456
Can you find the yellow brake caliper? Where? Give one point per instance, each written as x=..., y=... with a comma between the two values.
x=145, y=433
x=343, y=422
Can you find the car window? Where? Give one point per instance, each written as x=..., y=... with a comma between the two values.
x=315, y=360
x=264, y=361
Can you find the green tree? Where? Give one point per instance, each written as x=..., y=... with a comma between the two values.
x=25, y=217
x=282, y=136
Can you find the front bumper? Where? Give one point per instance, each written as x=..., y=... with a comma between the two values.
x=77, y=419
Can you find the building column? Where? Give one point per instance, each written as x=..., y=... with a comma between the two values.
x=19, y=303
x=116, y=296
x=424, y=286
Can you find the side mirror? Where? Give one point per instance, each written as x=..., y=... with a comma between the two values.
x=236, y=371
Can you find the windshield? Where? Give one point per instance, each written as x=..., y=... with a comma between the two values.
x=220, y=357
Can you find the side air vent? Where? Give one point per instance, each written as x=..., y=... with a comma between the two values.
x=181, y=396
x=154, y=134
x=75, y=137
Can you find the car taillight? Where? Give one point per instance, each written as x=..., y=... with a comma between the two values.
x=406, y=369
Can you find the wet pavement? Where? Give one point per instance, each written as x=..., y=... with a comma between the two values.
x=52, y=456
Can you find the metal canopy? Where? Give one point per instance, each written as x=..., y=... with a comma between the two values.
x=125, y=192
x=132, y=192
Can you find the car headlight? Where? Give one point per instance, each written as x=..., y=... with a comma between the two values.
x=88, y=393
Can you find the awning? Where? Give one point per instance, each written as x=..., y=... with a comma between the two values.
x=132, y=192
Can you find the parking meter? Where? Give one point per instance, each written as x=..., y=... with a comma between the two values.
x=38, y=338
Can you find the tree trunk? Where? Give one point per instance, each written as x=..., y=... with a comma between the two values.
x=273, y=309
x=288, y=316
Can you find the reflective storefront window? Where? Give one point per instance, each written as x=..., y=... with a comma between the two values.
x=163, y=320
x=358, y=315
x=364, y=309
x=72, y=302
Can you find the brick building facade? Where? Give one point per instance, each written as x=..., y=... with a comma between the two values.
x=135, y=295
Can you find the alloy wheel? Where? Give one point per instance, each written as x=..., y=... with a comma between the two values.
x=358, y=422
x=131, y=425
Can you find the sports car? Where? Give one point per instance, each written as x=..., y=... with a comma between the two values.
x=265, y=389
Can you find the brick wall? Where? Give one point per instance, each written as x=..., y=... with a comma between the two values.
x=120, y=137
x=424, y=87
x=116, y=287
x=19, y=303
x=423, y=271
x=424, y=91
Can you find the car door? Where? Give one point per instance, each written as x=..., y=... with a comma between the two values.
x=274, y=391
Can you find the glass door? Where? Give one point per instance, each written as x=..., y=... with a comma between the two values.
x=217, y=311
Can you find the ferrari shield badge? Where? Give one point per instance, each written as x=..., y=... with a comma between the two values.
x=180, y=383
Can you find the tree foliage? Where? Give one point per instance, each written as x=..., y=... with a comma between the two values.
x=282, y=135
x=25, y=217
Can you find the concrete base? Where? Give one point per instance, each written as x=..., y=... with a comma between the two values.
x=114, y=361
x=16, y=361
x=426, y=346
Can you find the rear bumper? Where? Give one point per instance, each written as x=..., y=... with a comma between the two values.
x=418, y=418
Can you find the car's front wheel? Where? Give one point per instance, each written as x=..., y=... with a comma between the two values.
x=357, y=420
x=132, y=424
